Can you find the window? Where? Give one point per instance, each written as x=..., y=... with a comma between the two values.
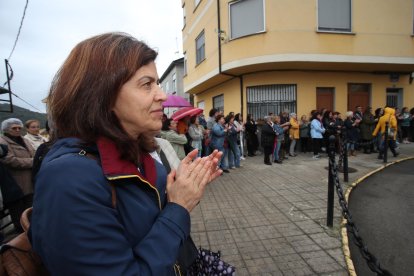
x=246, y=18
x=184, y=17
x=174, y=82
x=218, y=102
x=167, y=87
x=185, y=63
x=334, y=15
x=201, y=105
x=200, y=48
x=275, y=98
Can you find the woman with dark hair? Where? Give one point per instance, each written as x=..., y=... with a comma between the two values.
x=377, y=115
x=196, y=132
x=218, y=137
x=367, y=126
x=233, y=153
x=251, y=136
x=238, y=122
x=405, y=119
x=169, y=132
x=103, y=205
x=317, y=131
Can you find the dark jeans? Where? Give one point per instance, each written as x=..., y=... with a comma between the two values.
x=316, y=144
x=268, y=150
x=16, y=209
x=304, y=144
x=391, y=145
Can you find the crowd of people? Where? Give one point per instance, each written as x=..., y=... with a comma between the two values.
x=285, y=135
x=359, y=130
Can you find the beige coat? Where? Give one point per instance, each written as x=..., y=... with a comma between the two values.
x=19, y=162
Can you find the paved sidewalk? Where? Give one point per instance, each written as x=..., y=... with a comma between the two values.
x=271, y=220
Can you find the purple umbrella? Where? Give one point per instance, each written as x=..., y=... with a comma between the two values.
x=175, y=101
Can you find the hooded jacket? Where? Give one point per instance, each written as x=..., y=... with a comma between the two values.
x=389, y=116
x=75, y=228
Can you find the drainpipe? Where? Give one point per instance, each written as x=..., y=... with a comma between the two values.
x=219, y=32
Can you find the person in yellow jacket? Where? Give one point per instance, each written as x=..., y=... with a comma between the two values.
x=293, y=133
x=389, y=116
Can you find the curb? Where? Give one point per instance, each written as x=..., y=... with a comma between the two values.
x=344, y=233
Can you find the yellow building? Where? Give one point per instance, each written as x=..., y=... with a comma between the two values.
x=261, y=56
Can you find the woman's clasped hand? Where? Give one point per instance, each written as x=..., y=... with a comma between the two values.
x=186, y=185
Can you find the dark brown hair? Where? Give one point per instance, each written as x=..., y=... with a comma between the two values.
x=218, y=117
x=84, y=90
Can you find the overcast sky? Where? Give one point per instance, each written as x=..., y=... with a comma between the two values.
x=51, y=28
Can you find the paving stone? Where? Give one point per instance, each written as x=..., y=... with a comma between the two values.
x=289, y=229
x=302, y=243
x=220, y=237
x=293, y=264
x=325, y=241
x=252, y=250
x=320, y=261
x=338, y=255
x=278, y=247
x=262, y=266
x=244, y=234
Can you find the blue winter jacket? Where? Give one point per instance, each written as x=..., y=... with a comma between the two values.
x=217, y=137
x=75, y=228
x=317, y=129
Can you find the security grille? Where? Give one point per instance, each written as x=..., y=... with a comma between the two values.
x=392, y=99
x=263, y=99
x=218, y=102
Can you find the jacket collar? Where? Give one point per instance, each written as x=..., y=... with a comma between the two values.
x=113, y=165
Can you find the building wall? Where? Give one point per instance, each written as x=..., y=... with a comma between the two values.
x=292, y=51
x=231, y=92
x=381, y=30
x=178, y=70
x=307, y=82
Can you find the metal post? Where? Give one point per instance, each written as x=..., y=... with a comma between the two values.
x=8, y=85
x=331, y=183
x=386, y=143
x=345, y=161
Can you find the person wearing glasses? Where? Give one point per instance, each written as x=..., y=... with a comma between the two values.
x=32, y=135
x=18, y=162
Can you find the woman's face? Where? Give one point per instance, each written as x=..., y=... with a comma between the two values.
x=222, y=121
x=138, y=105
x=173, y=125
x=34, y=128
x=15, y=130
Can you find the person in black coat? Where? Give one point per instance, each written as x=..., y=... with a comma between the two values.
x=11, y=192
x=251, y=136
x=268, y=139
